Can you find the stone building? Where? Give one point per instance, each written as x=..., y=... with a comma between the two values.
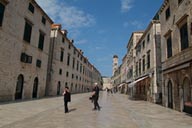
x=131, y=53
x=68, y=66
x=107, y=83
x=176, y=29
x=148, y=64
x=24, y=46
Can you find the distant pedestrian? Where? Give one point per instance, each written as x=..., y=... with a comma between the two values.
x=67, y=98
x=95, y=96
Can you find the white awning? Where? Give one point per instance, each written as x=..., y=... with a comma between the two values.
x=121, y=85
x=134, y=82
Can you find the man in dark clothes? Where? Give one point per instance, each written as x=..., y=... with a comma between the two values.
x=95, y=97
x=67, y=98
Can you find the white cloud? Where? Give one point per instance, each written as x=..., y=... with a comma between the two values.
x=135, y=23
x=69, y=16
x=126, y=5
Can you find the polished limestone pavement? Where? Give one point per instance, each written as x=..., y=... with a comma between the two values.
x=116, y=112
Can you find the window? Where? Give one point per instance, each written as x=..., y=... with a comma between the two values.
x=69, y=46
x=62, y=54
x=80, y=68
x=73, y=63
x=43, y=20
x=38, y=63
x=148, y=37
x=143, y=44
x=67, y=74
x=41, y=40
x=25, y=58
x=60, y=71
x=27, y=32
x=169, y=47
x=148, y=59
x=68, y=59
x=184, y=37
x=72, y=76
x=31, y=8
x=143, y=63
x=63, y=39
x=77, y=65
x=74, y=52
x=167, y=13
x=2, y=9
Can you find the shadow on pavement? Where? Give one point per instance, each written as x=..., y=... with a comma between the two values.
x=73, y=109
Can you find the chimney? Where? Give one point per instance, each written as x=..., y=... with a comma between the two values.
x=64, y=32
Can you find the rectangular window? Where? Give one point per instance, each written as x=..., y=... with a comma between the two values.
x=72, y=76
x=26, y=58
x=68, y=59
x=74, y=52
x=41, y=41
x=143, y=44
x=27, y=32
x=62, y=54
x=60, y=71
x=167, y=13
x=148, y=59
x=31, y=8
x=184, y=37
x=169, y=47
x=73, y=63
x=67, y=74
x=2, y=9
x=148, y=37
x=80, y=68
x=38, y=63
x=77, y=65
x=63, y=39
x=69, y=46
x=43, y=20
x=143, y=63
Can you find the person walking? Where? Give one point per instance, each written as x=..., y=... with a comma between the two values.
x=67, y=98
x=95, y=96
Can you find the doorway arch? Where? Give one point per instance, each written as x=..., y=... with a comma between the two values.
x=58, y=88
x=19, y=87
x=35, y=87
x=170, y=94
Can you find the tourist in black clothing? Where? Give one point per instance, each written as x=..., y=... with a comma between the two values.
x=95, y=97
x=67, y=98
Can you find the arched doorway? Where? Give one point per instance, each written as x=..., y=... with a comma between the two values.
x=58, y=88
x=35, y=87
x=170, y=94
x=19, y=87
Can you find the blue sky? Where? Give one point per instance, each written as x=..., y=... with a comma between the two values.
x=101, y=28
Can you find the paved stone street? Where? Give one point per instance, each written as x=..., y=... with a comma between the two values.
x=116, y=112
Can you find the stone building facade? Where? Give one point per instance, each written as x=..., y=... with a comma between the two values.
x=24, y=45
x=176, y=29
x=36, y=57
x=148, y=64
x=107, y=83
x=68, y=66
x=131, y=53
